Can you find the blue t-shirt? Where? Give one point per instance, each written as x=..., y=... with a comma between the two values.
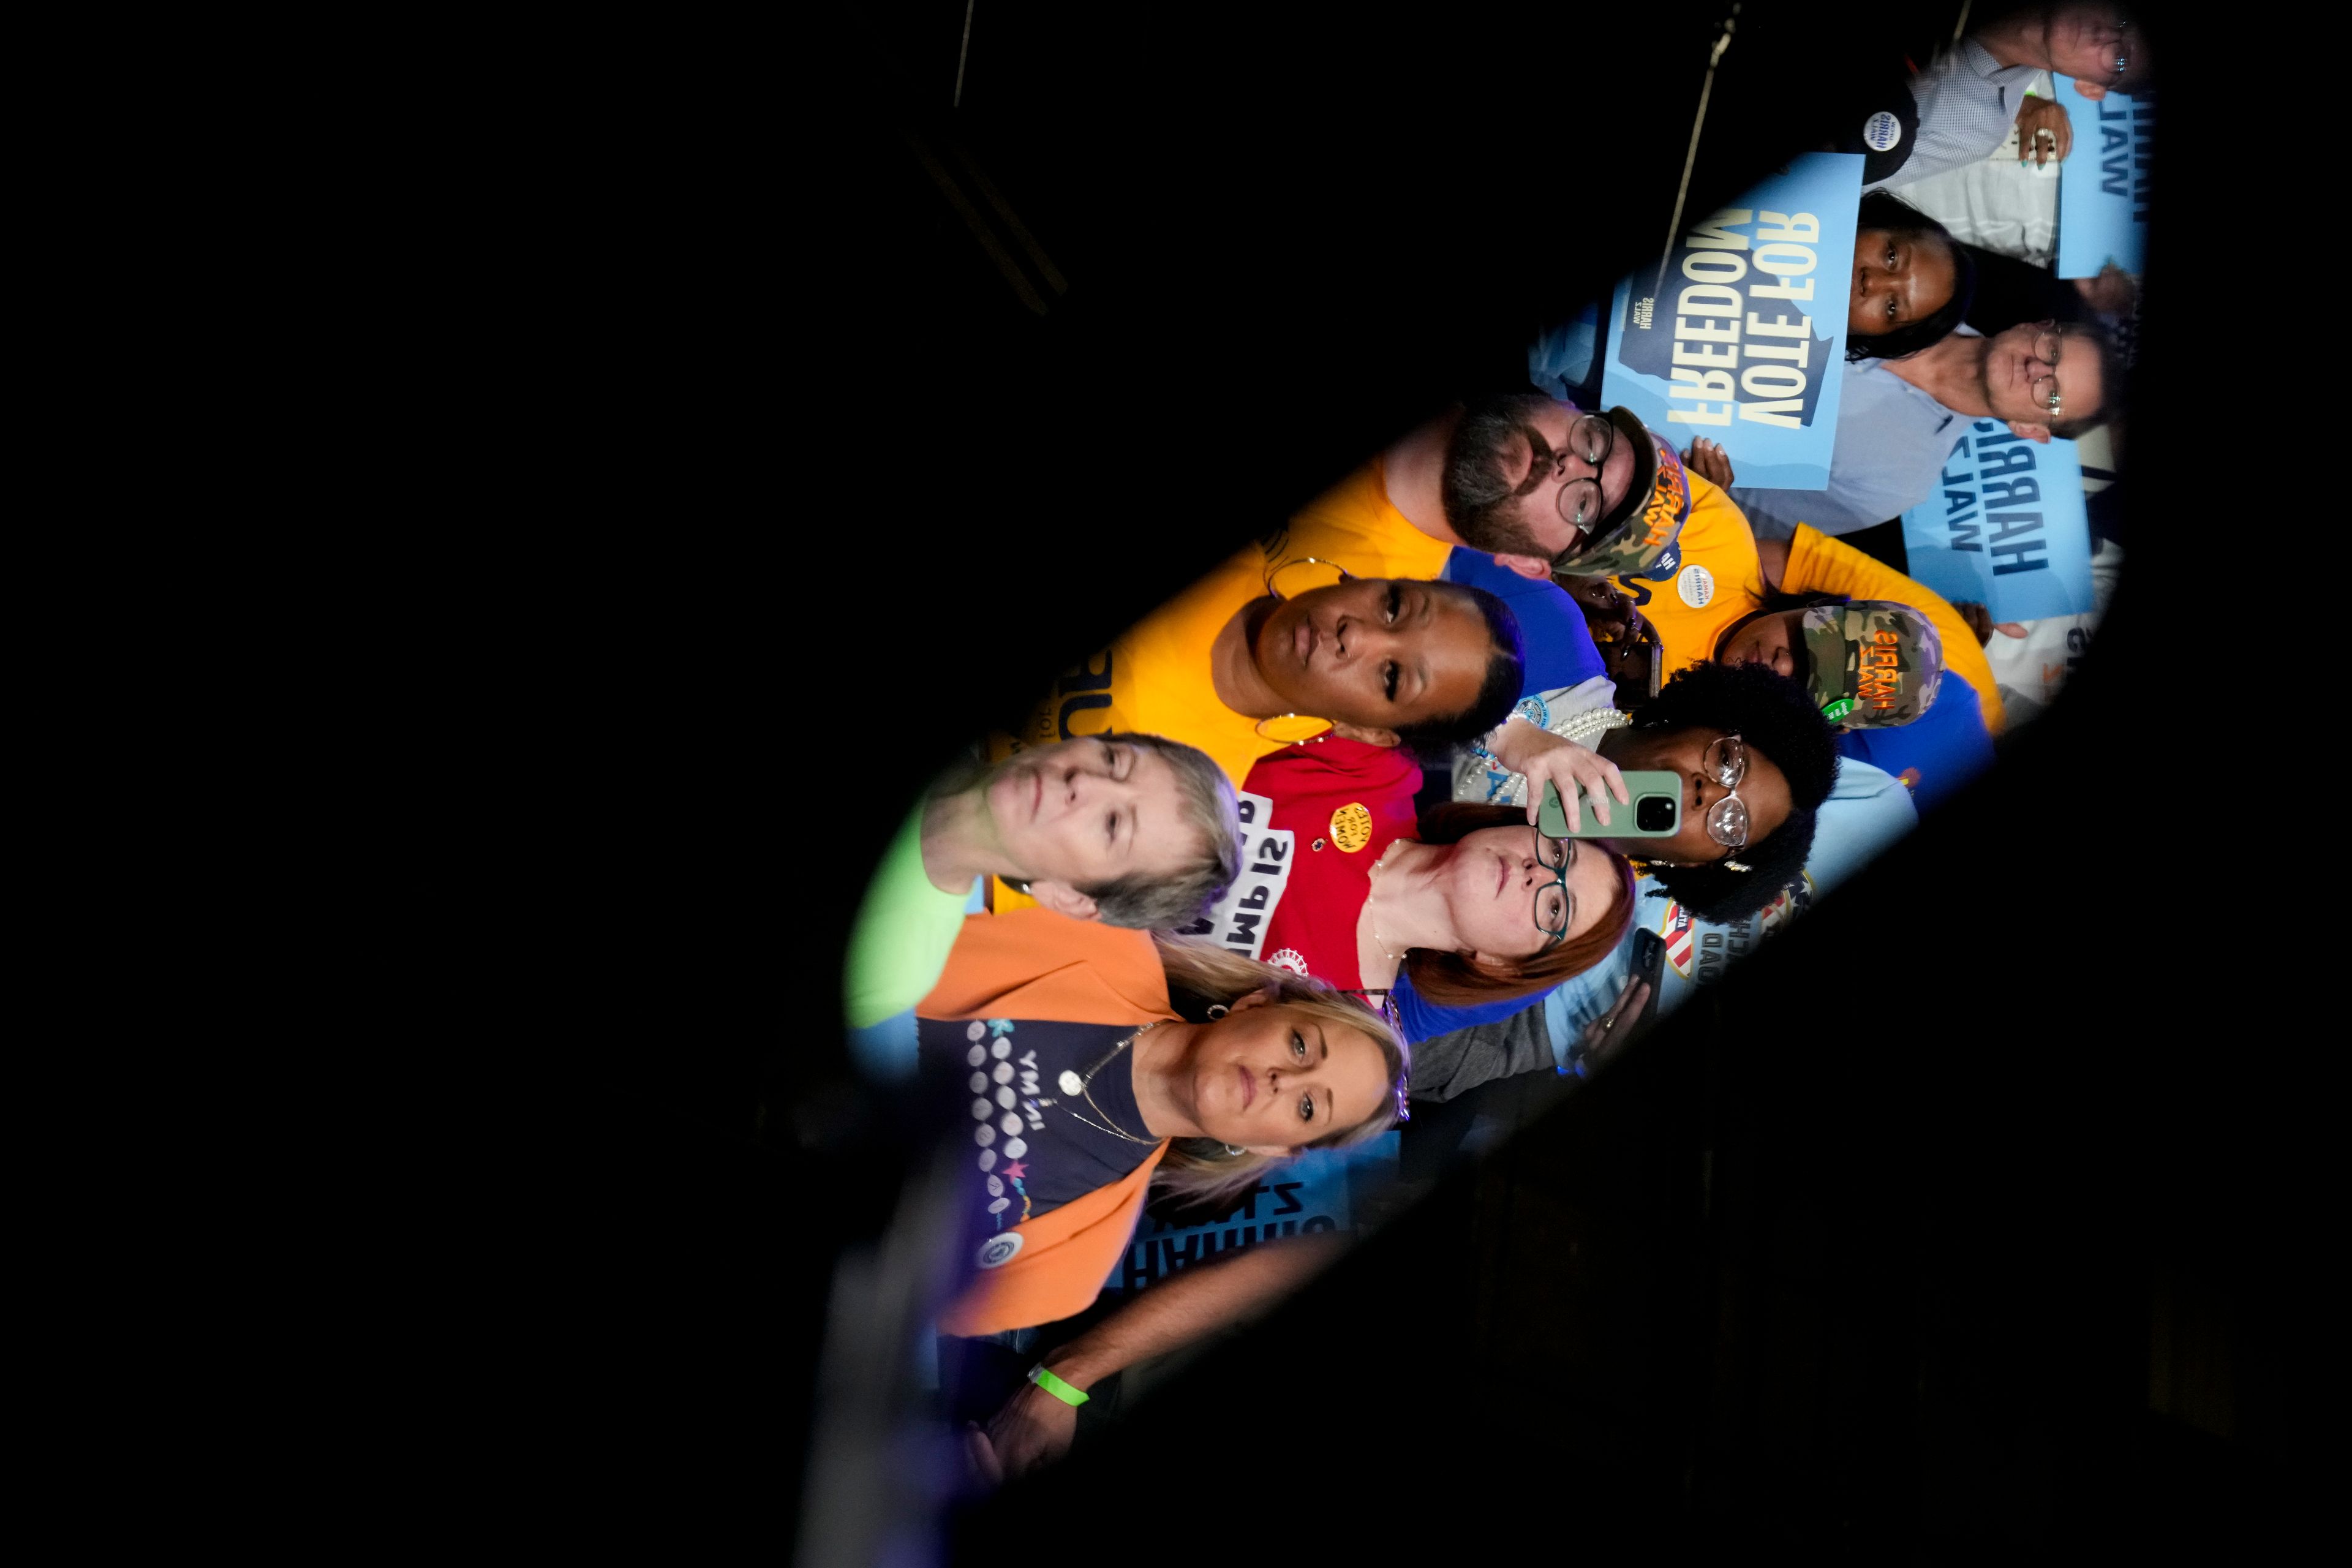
x=1935, y=753
x=1560, y=645
x=1867, y=810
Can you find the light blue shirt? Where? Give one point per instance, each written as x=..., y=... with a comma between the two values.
x=1891, y=440
x=1967, y=101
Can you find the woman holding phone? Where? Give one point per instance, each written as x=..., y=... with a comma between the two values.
x=1471, y=902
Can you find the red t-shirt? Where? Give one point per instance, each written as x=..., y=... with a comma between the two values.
x=1346, y=802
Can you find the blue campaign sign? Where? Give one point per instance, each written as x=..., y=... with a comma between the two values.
x=2102, y=187
x=1743, y=339
x=1307, y=1196
x=2005, y=527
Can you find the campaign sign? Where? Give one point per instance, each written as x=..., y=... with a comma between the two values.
x=1238, y=922
x=2103, y=193
x=1743, y=338
x=1301, y=1198
x=2005, y=527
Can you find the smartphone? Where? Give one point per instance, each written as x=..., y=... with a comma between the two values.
x=1638, y=675
x=1655, y=810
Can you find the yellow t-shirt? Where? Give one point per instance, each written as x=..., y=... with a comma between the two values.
x=1821, y=564
x=1717, y=580
x=1353, y=523
x=1154, y=680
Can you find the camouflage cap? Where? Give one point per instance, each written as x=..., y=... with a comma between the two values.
x=1875, y=663
x=1650, y=519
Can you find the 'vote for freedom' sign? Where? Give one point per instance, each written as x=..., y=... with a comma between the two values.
x=2005, y=527
x=2102, y=192
x=1744, y=338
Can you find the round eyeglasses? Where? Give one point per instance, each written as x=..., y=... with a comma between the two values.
x=1591, y=438
x=1552, y=903
x=1726, y=761
x=2048, y=343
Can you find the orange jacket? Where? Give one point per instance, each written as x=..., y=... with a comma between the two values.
x=1035, y=963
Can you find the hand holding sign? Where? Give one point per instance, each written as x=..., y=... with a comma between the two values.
x=2044, y=133
x=1709, y=462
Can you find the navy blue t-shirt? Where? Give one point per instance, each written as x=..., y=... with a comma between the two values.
x=1935, y=753
x=1030, y=1144
x=1560, y=645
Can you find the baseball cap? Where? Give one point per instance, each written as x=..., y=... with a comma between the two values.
x=1643, y=525
x=1875, y=663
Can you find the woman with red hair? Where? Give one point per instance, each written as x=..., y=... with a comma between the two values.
x=1471, y=904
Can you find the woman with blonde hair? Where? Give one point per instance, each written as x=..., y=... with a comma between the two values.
x=1097, y=1062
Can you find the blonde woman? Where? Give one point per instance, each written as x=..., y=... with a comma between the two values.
x=1097, y=1062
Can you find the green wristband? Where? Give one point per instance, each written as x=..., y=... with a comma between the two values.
x=1073, y=1397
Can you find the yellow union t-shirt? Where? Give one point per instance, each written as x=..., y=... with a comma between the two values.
x=1716, y=578
x=1154, y=679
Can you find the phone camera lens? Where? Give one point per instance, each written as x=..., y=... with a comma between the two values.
x=1655, y=812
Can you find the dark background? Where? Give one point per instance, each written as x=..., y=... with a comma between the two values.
x=1962, y=1222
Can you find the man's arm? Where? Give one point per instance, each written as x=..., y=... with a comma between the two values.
x=1034, y=1428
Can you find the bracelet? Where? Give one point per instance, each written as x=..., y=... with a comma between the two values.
x=1068, y=1396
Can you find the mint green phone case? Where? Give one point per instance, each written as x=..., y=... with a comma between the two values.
x=1624, y=816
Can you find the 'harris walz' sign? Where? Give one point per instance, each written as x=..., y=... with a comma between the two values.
x=1743, y=341
x=2102, y=187
x=2005, y=527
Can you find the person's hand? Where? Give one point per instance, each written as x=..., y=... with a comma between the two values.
x=2013, y=629
x=1034, y=1428
x=1610, y=1026
x=1545, y=757
x=1710, y=462
x=2044, y=136
x=2112, y=293
x=1980, y=621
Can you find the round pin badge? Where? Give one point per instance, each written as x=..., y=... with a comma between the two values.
x=1834, y=711
x=1001, y=1249
x=1881, y=132
x=1695, y=584
x=1352, y=827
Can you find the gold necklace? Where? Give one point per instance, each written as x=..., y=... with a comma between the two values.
x=1374, y=878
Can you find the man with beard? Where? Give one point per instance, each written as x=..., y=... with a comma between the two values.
x=1897, y=420
x=1528, y=479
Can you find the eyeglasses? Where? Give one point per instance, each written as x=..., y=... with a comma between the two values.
x=1592, y=438
x=2048, y=342
x=1551, y=898
x=2122, y=54
x=1726, y=761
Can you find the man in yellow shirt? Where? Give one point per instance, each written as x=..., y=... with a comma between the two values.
x=1527, y=479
